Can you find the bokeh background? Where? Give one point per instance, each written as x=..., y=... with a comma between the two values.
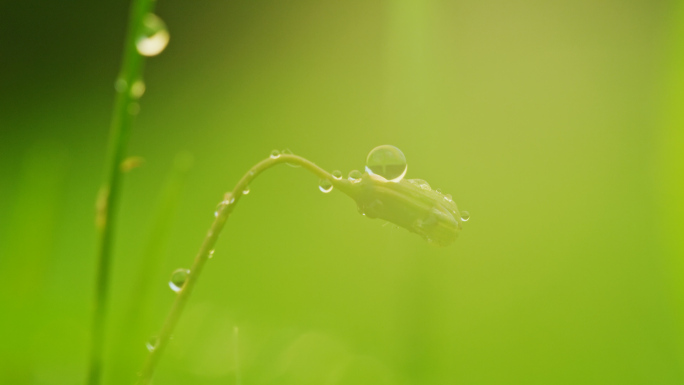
x=558, y=125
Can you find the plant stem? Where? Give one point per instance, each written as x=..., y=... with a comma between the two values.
x=125, y=108
x=208, y=245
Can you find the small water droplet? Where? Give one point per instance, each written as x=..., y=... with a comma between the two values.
x=354, y=176
x=154, y=36
x=211, y=254
x=420, y=184
x=337, y=174
x=246, y=191
x=275, y=154
x=438, y=191
x=387, y=162
x=325, y=186
x=465, y=216
x=448, y=198
x=137, y=89
x=178, y=278
x=219, y=207
x=287, y=151
x=151, y=344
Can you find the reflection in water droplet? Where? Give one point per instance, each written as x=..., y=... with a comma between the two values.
x=325, y=186
x=438, y=191
x=178, y=278
x=448, y=198
x=245, y=191
x=465, y=216
x=151, y=344
x=354, y=176
x=337, y=174
x=275, y=154
x=211, y=254
x=137, y=89
x=154, y=36
x=387, y=162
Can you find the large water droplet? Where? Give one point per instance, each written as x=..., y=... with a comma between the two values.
x=354, y=176
x=154, y=36
x=387, y=162
x=275, y=154
x=465, y=216
x=152, y=343
x=337, y=174
x=137, y=89
x=178, y=278
x=325, y=186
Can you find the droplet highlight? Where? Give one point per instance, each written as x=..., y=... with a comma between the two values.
x=387, y=162
x=154, y=36
x=178, y=278
x=246, y=191
x=337, y=174
x=465, y=216
x=211, y=254
x=354, y=176
x=325, y=186
x=275, y=154
x=152, y=343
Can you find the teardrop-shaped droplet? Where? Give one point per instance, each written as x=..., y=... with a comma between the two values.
x=465, y=216
x=387, y=162
x=337, y=174
x=354, y=176
x=275, y=154
x=152, y=343
x=154, y=36
x=325, y=186
x=245, y=191
x=137, y=89
x=178, y=278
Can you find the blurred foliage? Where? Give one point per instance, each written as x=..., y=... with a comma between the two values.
x=558, y=125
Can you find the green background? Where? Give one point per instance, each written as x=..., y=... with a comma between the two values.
x=558, y=125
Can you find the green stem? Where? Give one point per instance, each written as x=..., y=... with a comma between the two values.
x=208, y=245
x=125, y=108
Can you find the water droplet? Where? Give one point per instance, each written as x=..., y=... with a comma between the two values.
x=387, y=162
x=275, y=154
x=151, y=344
x=354, y=176
x=120, y=85
x=465, y=216
x=246, y=191
x=178, y=278
x=438, y=191
x=448, y=198
x=420, y=184
x=287, y=151
x=211, y=254
x=219, y=207
x=325, y=186
x=137, y=89
x=337, y=174
x=154, y=36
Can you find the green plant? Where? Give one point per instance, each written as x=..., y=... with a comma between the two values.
x=146, y=36
x=382, y=194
